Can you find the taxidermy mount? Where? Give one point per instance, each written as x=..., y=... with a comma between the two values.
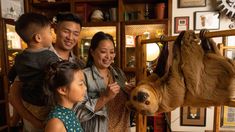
x=193, y=74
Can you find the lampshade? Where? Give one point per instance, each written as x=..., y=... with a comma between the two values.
x=153, y=51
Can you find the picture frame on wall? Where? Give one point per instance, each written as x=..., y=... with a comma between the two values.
x=12, y=9
x=207, y=20
x=192, y=116
x=230, y=53
x=227, y=117
x=191, y=3
x=181, y=24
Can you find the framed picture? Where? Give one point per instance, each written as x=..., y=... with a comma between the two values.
x=206, y=20
x=191, y=3
x=230, y=53
x=130, y=41
x=227, y=116
x=12, y=9
x=181, y=24
x=192, y=116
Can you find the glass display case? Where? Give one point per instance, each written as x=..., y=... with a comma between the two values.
x=14, y=44
x=147, y=31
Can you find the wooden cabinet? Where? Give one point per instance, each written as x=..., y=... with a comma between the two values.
x=89, y=10
x=4, y=109
x=49, y=9
x=11, y=46
x=147, y=29
x=130, y=17
x=4, y=113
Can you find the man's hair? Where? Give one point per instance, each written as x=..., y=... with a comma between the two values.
x=67, y=16
x=29, y=23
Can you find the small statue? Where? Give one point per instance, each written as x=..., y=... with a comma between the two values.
x=97, y=16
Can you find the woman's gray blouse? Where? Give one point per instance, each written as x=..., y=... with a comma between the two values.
x=92, y=121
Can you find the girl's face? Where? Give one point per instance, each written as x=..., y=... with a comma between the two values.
x=77, y=89
x=104, y=54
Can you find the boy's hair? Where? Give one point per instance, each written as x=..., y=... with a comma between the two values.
x=29, y=23
x=67, y=16
x=58, y=74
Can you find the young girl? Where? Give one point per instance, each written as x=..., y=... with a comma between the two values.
x=64, y=86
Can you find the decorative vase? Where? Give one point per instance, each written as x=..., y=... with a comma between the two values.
x=160, y=10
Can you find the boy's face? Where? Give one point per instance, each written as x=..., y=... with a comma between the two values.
x=67, y=33
x=46, y=36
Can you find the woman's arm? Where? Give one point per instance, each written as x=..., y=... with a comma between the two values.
x=55, y=125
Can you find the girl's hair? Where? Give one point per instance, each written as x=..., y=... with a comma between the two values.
x=58, y=74
x=95, y=41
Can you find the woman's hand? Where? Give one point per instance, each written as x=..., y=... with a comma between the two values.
x=112, y=90
x=110, y=93
x=129, y=87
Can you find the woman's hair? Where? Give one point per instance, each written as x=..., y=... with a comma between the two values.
x=95, y=41
x=58, y=74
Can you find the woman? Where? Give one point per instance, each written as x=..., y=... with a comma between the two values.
x=104, y=109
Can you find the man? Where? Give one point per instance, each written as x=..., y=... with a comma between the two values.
x=68, y=27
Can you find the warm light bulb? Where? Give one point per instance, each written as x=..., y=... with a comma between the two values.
x=153, y=51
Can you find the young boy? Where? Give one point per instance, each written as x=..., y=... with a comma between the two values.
x=30, y=66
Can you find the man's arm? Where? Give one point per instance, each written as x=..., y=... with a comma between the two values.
x=16, y=100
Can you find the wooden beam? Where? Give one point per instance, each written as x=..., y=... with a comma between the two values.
x=221, y=33
x=141, y=120
x=216, y=124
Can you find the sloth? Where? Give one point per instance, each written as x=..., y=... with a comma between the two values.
x=193, y=73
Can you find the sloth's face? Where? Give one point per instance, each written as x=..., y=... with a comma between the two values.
x=144, y=100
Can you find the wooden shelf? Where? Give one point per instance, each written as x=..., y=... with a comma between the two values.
x=95, y=2
x=103, y=23
x=148, y=21
x=47, y=5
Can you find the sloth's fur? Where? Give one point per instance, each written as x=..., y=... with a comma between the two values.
x=197, y=76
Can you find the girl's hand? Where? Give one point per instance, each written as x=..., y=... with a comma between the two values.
x=112, y=90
